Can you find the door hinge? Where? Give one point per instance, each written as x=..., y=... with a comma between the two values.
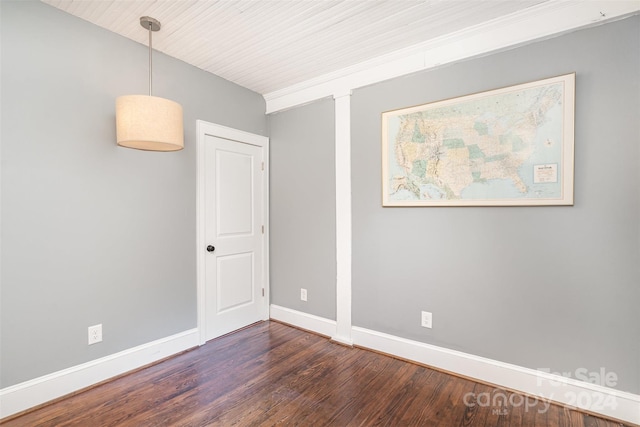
x=262, y=291
x=262, y=165
x=263, y=229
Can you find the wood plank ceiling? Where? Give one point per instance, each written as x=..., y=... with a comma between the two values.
x=267, y=45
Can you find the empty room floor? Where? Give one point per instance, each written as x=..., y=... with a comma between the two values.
x=272, y=374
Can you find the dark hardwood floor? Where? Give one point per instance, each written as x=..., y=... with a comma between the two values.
x=271, y=374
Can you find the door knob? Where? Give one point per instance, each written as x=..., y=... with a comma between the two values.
x=211, y=248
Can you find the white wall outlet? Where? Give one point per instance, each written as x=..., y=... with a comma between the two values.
x=95, y=334
x=303, y=294
x=427, y=320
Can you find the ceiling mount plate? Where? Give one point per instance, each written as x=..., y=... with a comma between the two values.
x=147, y=21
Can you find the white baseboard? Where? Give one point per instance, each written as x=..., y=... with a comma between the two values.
x=570, y=392
x=566, y=391
x=28, y=394
x=312, y=323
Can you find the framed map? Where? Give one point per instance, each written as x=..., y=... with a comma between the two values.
x=505, y=147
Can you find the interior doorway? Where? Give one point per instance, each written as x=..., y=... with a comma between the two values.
x=232, y=252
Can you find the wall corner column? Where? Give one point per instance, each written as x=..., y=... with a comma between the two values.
x=343, y=217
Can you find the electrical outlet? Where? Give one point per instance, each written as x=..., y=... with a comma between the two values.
x=303, y=294
x=427, y=320
x=95, y=334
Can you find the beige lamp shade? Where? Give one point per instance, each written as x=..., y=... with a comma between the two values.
x=149, y=123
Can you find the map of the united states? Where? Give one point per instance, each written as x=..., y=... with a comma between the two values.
x=498, y=146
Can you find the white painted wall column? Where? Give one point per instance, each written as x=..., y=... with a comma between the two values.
x=343, y=217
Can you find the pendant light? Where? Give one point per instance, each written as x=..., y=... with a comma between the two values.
x=149, y=122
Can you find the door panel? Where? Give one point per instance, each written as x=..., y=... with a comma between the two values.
x=234, y=193
x=233, y=225
x=236, y=269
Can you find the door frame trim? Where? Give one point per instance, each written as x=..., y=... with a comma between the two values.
x=204, y=129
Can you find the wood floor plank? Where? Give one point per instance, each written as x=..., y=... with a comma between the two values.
x=274, y=375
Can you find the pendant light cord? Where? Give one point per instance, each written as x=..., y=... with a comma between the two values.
x=150, y=62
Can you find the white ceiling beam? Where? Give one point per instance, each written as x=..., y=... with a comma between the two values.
x=535, y=23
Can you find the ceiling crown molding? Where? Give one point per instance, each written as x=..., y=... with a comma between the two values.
x=536, y=23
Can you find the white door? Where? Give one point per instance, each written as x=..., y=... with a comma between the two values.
x=234, y=233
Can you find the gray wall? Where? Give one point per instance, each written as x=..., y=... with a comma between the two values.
x=303, y=206
x=91, y=232
x=540, y=287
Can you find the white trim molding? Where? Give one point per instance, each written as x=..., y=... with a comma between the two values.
x=539, y=22
x=570, y=392
x=538, y=384
x=343, y=217
x=20, y=397
x=309, y=322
